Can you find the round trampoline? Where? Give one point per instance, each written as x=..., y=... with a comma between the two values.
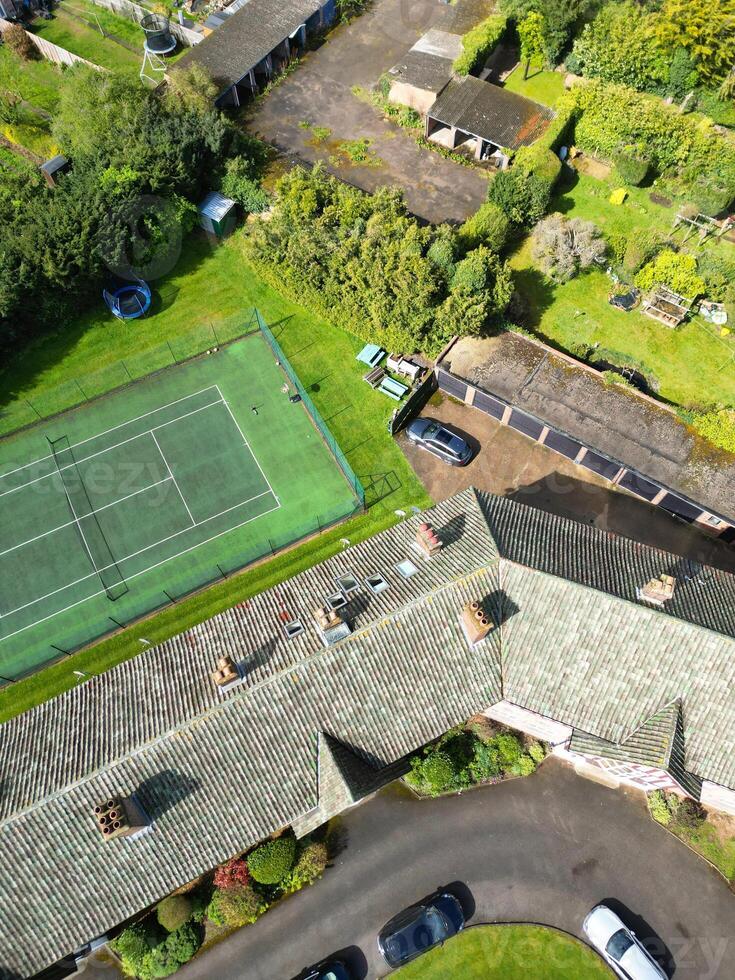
x=158, y=38
x=129, y=301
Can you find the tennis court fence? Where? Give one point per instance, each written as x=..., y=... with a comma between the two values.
x=311, y=408
x=25, y=411
x=180, y=586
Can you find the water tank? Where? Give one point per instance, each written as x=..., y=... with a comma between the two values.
x=158, y=37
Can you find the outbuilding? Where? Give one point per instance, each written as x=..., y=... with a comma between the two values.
x=486, y=119
x=427, y=67
x=256, y=42
x=217, y=215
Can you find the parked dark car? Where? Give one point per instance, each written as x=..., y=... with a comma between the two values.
x=437, y=439
x=327, y=970
x=420, y=927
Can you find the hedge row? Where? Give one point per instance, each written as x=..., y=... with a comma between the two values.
x=479, y=43
x=610, y=116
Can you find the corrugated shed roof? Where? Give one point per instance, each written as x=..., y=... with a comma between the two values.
x=216, y=206
x=217, y=773
x=490, y=112
x=247, y=37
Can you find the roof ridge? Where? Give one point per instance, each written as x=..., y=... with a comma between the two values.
x=242, y=694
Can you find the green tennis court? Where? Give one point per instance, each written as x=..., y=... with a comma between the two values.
x=121, y=506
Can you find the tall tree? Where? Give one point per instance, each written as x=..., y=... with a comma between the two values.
x=705, y=28
x=531, y=34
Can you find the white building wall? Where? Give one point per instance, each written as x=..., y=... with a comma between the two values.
x=718, y=797
x=539, y=726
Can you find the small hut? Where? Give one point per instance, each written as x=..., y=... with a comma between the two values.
x=217, y=215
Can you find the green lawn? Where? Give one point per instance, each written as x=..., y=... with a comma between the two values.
x=86, y=40
x=692, y=364
x=35, y=81
x=216, y=286
x=715, y=847
x=509, y=952
x=542, y=86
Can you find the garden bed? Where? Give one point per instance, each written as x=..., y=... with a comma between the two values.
x=685, y=366
x=709, y=834
x=480, y=753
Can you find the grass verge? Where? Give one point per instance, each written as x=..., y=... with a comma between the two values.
x=212, y=284
x=509, y=952
x=85, y=39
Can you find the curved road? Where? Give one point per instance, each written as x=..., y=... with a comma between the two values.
x=545, y=849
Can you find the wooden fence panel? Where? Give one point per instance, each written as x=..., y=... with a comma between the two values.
x=51, y=52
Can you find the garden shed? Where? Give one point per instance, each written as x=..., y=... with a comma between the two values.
x=217, y=215
x=485, y=119
x=255, y=43
x=420, y=76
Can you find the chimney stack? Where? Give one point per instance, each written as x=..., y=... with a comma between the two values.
x=331, y=625
x=428, y=540
x=658, y=591
x=226, y=672
x=475, y=621
x=120, y=818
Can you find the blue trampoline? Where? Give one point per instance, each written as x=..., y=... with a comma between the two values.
x=129, y=301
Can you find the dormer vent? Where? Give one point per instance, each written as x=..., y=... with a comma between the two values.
x=476, y=622
x=658, y=590
x=117, y=817
x=428, y=540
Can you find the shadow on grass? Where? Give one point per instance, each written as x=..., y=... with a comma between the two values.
x=534, y=295
x=51, y=346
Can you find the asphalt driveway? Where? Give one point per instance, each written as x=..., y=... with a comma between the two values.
x=509, y=464
x=320, y=93
x=542, y=849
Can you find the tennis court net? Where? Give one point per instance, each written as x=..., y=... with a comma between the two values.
x=93, y=540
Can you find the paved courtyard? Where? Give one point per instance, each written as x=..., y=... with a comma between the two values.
x=509, y=464
x=320, y=93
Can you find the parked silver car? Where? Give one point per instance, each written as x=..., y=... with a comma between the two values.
x=437, y=439
x=620, y=947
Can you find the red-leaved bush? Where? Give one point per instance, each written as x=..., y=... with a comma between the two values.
x=232, y=874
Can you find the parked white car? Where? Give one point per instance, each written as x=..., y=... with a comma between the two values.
x=620, y=947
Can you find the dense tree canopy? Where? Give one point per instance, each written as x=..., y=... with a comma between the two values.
x=137, y=162
x=366, y=264
x=559, y=20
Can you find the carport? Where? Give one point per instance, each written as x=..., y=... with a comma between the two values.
x=485, y=119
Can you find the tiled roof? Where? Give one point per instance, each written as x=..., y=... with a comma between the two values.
x=247, y=37
x=218, y=772
x=659, y=743
x=490, y=112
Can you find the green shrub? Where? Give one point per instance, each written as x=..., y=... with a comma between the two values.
x=479, y=43
x=719, y=276
x=631, y=165
x=174, y=911
x=486, y=762
x=710, y=195
x=537, y=751
x=482, y=727
x=524, y=767
x=677, y=270
x=658, y=807
x=19, y=41
x=239, y=184
x=438, y=772
x=615, y=378
x=639, y=249
x=539, y=160
x=271, y=862
x=718, y=427
x=176, y=949
x=135, y=943
x=310, y=865
x=523, y=197
x=235, y=907
x=509, y=749
x=487, y=226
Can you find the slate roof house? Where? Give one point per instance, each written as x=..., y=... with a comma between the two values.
x=321, y=718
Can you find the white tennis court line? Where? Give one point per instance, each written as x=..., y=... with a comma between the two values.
x=242, y=436
x=112, y=428
x=170, y=473
x=143, y=571
x=118, y=561
x=81, y=532
x=109, y=449
x=60, y=527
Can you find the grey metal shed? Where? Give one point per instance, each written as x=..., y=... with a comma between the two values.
x=217, y=214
